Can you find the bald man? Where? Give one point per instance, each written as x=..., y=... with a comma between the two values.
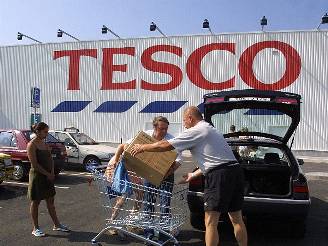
x=224, y=178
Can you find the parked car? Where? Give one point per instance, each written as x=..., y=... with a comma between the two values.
x=14, y=142
x=82, y=149
x=275, y=185
x=6, y=167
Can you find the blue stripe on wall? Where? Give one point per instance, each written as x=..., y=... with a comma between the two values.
x=115, y=106
x=163, y=106
x=71, y=106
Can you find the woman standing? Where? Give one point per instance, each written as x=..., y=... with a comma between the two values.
x=41, y=179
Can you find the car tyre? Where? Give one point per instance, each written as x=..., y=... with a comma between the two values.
x=20, y=172
x=197, y=221
x=90, y=161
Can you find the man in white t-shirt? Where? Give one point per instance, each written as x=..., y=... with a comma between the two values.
x=224, y=178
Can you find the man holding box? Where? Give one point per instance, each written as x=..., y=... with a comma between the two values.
x=224, y=179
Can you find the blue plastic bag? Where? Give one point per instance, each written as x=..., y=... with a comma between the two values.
x=121, y=182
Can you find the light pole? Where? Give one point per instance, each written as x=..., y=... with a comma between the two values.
x=324, y=20
x=206, y=25
x=264, y=22
x=153, y=27
x=60, y=33
x=105, y=29
x=21, y=35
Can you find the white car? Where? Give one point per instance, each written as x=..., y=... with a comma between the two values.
x=82, y=149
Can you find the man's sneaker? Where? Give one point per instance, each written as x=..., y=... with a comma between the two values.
x=62, y=228
x=38, y=233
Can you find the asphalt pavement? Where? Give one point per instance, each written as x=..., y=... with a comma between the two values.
x=79, y=207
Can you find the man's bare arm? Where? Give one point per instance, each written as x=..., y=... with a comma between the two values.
x=160, y=146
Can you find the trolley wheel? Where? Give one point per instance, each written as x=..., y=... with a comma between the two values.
x=95, y=243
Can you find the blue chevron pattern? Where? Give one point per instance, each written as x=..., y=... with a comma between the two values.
x=163, y=106
x=71, y=106
x=115, y=106
x=122, y=106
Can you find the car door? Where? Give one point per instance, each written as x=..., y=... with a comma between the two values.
x=71, y=148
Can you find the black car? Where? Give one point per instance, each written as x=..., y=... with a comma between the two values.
x=275, y=185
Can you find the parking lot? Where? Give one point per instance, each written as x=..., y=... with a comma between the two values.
x=79, y=207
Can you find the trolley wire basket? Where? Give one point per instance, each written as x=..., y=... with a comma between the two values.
x=156, y=212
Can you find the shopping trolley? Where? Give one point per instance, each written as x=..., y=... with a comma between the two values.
x=160, y=209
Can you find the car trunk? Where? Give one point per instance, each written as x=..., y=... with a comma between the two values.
x=267, y=180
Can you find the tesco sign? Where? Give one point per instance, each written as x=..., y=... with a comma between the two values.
x=192, y=66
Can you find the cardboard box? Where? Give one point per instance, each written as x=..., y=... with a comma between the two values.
x=153, y=166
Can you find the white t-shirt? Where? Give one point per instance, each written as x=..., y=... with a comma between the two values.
x=207, y=146
x=168, y=136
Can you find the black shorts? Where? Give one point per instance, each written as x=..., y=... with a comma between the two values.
x=224, y=189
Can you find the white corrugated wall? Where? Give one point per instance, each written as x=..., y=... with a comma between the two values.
x=22, y=67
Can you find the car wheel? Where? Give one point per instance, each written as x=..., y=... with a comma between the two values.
x=90, y=162
x=20, y=172
x=197, y=221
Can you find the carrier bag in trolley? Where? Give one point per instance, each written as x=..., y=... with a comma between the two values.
x=153, y=166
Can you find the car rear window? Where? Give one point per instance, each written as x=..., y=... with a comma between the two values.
x=252, y=120
x=261, y=154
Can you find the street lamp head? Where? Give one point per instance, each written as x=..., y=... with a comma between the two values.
x=19, y=36
x=152, y=27
x=324, y=19
x=104, y=29
x=264, y=21
x=206, y=24
x=59, y=33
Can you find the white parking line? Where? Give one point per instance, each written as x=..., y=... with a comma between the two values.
x=26, y=184
x=75, y=174
x=62, y=187
x=15, y=183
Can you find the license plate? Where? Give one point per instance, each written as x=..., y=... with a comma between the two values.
x=249, y=99
x=53, y=155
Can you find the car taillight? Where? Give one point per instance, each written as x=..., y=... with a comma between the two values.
x=300, y=188
x=196, y=182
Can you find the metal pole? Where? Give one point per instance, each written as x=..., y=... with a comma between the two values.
x=114, y=33
x=160, y=31
x=31, y=38
x=70, y=35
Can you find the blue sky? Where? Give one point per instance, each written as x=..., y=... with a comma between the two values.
x=131, y=18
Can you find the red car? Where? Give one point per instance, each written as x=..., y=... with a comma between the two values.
x=14, y=142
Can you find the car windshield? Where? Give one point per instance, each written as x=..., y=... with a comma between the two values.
x=83, y=139
x=252, y=120
x=49, y=139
